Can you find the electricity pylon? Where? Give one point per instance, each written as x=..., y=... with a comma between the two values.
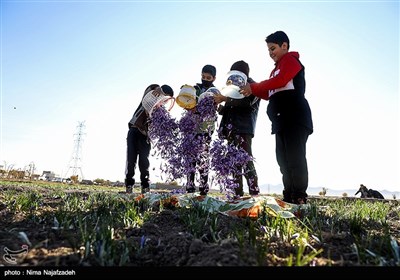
x=75, y=162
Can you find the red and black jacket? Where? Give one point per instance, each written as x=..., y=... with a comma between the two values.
x=285, y=91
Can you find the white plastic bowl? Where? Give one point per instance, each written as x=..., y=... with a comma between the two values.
x=213, y=90
x=232, y=91
x=209, y=92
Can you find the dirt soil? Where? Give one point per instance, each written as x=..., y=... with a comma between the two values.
x=168, y=242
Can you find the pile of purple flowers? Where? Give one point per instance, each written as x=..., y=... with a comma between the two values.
x=163, y=132
x=227, y=161
x=187, y=148
x=207, y=109
x=179, y=145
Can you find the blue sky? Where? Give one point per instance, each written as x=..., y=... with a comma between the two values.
x=65, y=62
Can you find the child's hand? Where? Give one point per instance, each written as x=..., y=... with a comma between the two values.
x=218, y=98
x=246, y=90
x=158, y=91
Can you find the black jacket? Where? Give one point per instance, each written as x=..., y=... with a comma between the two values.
x=241, y=114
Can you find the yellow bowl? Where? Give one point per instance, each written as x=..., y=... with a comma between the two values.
x=186, y=101
x=187, y=97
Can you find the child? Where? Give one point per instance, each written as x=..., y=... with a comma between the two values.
x=203, y=133
x=138, y=144
x=289, y=113
x=238, y=123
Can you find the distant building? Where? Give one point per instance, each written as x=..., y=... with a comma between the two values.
x=47, y=176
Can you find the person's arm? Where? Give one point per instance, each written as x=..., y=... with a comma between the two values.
x=288, y=69
x=232, y=102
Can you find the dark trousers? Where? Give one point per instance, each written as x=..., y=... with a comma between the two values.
x=202, y=164
x=248, y=171
x=137, y=146
x=291, y=157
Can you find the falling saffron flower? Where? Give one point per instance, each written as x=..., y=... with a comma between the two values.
x=180, y=143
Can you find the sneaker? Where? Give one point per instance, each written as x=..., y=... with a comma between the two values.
x=239, y=194
x=236, y=198
x=300, y=200
x=145, y=190
x=204, y=188
x=129, y=189
x=190, y=187
x=253, y=193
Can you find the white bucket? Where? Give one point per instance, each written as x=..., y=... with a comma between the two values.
x=156, y=98
x=232, y=91
x=236, y=80
x=187, y=97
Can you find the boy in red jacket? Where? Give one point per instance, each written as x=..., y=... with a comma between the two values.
x=289, y=113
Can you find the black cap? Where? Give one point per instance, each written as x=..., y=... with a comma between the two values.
x=167, y=90
x=150, y=88
x=210, y=69
x=241, y=66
